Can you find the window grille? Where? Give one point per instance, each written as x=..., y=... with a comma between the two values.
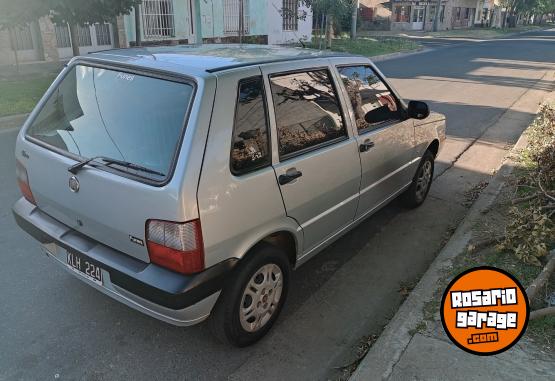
x=289, y=14
x=84, y=35
x=158, y=18
x=232, y=10
x=103, y=36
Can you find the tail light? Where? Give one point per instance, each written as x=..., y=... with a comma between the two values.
x=176, y=246
x=23, y=182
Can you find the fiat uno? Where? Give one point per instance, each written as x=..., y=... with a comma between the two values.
x=188, y=182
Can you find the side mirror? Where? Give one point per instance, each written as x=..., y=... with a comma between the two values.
x=378, y=115
x=418, y=110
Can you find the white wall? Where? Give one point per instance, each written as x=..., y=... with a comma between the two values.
x=276, y=35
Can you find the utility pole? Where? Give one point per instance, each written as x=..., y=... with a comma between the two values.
x=138, y=25
x=354, y=16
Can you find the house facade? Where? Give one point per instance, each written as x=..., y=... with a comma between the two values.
x=407, y=15
x=164, y=22
x=194, y=21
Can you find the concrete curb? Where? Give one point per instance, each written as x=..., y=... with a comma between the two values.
x=388, y=349
x=384, y=57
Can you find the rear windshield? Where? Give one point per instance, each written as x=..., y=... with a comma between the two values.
x=122, y=116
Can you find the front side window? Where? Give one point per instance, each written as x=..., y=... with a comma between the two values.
x=250, y=147
x=307, y=111
x=122, y=116
x=373, y=103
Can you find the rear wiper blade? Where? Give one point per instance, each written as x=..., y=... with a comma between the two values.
x=136, y=167
x=77, y=167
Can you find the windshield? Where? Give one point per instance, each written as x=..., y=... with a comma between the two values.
x=127, y=117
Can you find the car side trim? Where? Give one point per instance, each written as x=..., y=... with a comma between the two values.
x=369, y=187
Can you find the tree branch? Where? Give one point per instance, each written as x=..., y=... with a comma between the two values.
x=542, y=278
x=542, y=312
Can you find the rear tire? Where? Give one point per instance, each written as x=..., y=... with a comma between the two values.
x=251, y=302
x=416, y=194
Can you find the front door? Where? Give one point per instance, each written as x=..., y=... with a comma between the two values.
x=318, y=166
x=418, y=18
x=385, y=138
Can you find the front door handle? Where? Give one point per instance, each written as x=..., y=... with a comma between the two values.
x=290, y=175
x=366, y=145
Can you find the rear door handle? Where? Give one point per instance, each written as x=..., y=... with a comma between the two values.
x=366, y=145
x=290, y=175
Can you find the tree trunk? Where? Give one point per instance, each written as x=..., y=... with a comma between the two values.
x=116, y=32
x=74, y=39
x=14, y=48
x=138, y=41
x=354, y=16
x=329, y=31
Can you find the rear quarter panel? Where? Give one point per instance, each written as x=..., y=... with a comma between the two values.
x=236, y=212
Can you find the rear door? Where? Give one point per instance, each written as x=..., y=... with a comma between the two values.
x=385, y=140
x=315, y=155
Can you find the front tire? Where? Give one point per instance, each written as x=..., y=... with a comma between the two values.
x=250, y=304
x=416, y=194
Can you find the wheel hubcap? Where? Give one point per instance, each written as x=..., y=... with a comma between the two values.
x=423, y=180
x=261, y=297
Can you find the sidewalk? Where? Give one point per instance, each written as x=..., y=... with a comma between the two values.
x=12, y=121
x=414, y=345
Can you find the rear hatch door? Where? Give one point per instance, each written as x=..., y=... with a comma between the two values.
x=94, y=111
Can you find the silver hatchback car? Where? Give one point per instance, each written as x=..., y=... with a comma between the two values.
x=188, y=181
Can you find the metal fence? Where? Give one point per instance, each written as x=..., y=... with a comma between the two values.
x=63, y=40
x=23, y=38
x=103, y=36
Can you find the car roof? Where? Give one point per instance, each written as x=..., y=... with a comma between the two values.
x=210, y=57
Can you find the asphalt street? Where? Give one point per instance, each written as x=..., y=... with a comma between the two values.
x=52, y=326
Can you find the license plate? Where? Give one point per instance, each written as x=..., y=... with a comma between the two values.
x=83, y=266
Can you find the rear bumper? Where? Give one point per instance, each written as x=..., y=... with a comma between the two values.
x=174, y=298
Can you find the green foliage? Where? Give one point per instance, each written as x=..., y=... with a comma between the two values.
x=21, y=12
x=531, y=229
x=340, y=10
x=89, y=11
x=527, y=234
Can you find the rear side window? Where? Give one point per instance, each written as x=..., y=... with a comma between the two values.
x=307, y=111
x=129, y=117
x=250, y=147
